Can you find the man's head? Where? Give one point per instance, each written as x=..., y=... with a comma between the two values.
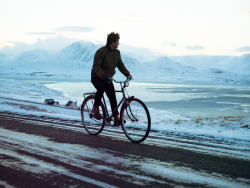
x=113, y=40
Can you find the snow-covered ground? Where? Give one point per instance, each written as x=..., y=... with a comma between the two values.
x=235, y=127
x=106, y=161
x=60, y=70
x=196, y=103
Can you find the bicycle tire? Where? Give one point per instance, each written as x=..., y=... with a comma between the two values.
x=135, y=120
x=92, y=125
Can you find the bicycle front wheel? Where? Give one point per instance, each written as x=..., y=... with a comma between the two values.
x=91, y=124
x=135, y=120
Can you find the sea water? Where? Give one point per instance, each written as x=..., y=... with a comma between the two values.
x=192, y=100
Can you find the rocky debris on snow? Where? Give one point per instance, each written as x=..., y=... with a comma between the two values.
x=69, y=104
x=72, y=104
x=51, y=102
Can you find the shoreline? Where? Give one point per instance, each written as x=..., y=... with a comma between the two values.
x=71, y=78
x=220, y=128
x=162, y=120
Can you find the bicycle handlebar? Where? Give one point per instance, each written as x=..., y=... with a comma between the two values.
x=125, y=83
x=127, y=80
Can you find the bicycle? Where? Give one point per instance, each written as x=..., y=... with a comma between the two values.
x=134, y=115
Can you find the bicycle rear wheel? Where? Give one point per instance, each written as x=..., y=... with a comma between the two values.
x=135, y=120
x=92, y=125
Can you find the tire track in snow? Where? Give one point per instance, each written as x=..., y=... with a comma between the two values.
x=240, y=149
x=117, y=165
x=30, y=148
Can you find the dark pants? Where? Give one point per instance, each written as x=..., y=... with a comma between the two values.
x=108, y=88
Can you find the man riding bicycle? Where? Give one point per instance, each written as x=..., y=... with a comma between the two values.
x=106, y=59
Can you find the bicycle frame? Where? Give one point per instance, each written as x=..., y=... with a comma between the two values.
x=108, y=118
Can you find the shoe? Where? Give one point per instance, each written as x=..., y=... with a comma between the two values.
x=96, y=113
x=117, y=121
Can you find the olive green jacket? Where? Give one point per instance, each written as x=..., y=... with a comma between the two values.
x=105, y=62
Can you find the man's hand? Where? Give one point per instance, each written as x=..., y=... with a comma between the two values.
x=105, y=78
x=129, y=77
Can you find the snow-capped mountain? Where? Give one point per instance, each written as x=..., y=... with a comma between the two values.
x=236, y=64
x=30, y=58
x=239, y=65
x=166, y=65
x=76, y=57
x=76, y=60
x=78, y=51
x=29, y=61
x=3, y=59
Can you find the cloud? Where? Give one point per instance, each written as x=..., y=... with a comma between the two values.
x=52, y=43
x=244, y=48
x=196, y=47
x=83, y=29
x=172, y=44
x=41, y=33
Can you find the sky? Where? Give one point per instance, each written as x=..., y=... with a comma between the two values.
x=170, y=27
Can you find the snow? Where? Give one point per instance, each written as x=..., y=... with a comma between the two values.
x=105, y=161
x=5, y=184
x=162, y=120
x=180, y=174
x=33, y=74
x=49, y=148
x=240, y=65
x=37, y=74
x=75, y=61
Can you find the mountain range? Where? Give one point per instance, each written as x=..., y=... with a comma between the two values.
x=76, y=59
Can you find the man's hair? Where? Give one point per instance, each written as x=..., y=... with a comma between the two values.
x=112, y=37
